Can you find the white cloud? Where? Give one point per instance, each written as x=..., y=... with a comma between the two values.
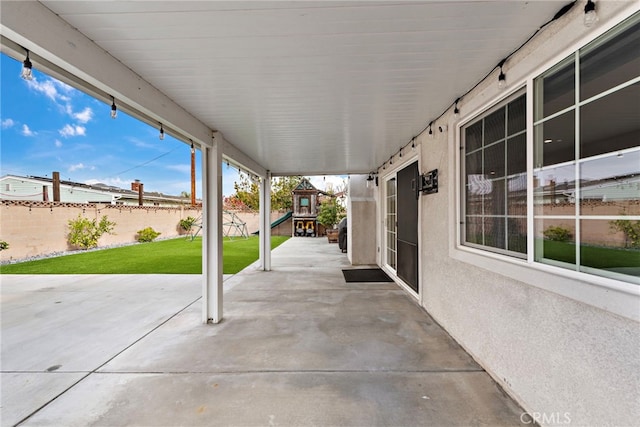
x=63, y=86
x=7, y=123
x=143, y=144
x=69, y=130
x=84, y=116
x=184, y=168
x=78, y=166
x=26, y=131
x=60, y=93
x=58, y=143
x=47, y=87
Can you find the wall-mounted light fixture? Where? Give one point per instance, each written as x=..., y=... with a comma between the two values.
x=456, y=110
x=442, y=128
x=27, y=71
x=430, y=130
x=114, y=109
x=161, y=135
x=370, y=180
x=413, y=144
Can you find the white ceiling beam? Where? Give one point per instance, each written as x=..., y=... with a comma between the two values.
x=36, y=28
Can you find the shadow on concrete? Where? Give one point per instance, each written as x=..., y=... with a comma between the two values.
x=298, y=346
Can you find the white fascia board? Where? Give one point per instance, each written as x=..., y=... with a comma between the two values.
x=237, y=156
x=34, y=27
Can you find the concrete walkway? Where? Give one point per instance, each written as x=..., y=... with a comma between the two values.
x=298, y=346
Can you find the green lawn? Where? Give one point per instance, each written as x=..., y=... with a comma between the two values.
x=175, y=256
x=592, y=256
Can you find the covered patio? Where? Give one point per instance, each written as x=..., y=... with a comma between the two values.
x=299, y=346
x=469, y=131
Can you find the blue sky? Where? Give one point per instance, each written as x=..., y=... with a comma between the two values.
x=49, y=126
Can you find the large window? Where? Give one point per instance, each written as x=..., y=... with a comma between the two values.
x=494, y=174
x=585, y=167
x=587, y=158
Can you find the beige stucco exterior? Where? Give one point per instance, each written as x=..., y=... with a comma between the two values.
x=563, y=345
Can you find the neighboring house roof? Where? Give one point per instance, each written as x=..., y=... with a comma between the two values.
x=102, y=191
x=624, y=187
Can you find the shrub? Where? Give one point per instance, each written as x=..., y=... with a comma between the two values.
x=631, y=230
x=187, y=223
x=557, y=234
x=330, y=213
x=3, y=245
x=84, y=233
x=147, y=235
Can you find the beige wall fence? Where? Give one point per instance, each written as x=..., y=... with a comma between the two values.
x=40, y=228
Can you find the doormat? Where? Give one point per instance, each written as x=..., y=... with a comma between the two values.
x=365, y=275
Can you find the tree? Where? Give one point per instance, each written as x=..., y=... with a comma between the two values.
x=281, y=192
x=248, y=192
x=330, y=212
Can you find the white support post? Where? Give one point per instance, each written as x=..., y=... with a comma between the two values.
x=212, y=233
x=265, y=223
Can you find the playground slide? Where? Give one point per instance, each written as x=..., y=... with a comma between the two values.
x=277, y=222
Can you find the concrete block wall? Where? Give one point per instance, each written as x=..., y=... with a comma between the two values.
x=40, y=228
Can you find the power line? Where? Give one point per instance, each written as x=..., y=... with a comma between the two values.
x=145, y=163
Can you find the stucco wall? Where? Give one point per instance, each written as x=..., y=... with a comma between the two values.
x=564, y=348
x=39, y=228
x=361, y=222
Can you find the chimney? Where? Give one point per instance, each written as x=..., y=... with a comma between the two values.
x=135, y=185
x=56, y=186
x=140, y=193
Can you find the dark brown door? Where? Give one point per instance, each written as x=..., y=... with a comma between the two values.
x=408, y=226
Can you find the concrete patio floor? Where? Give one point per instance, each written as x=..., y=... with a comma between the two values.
x=298, y=346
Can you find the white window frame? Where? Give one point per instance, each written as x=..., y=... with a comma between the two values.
x=485, y=113
x=612, y=295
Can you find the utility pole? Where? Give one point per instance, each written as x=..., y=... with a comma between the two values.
x=193, y=175
x=56, y=186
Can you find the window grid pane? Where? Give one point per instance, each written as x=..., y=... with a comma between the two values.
x=599, y=170
x=495, y=180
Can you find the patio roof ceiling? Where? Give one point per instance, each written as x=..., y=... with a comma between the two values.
x=310, y=86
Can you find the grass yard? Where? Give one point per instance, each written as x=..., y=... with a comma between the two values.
x=175, y=256
x=592, y=256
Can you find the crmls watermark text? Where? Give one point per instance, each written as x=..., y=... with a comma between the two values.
x=546, y=418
